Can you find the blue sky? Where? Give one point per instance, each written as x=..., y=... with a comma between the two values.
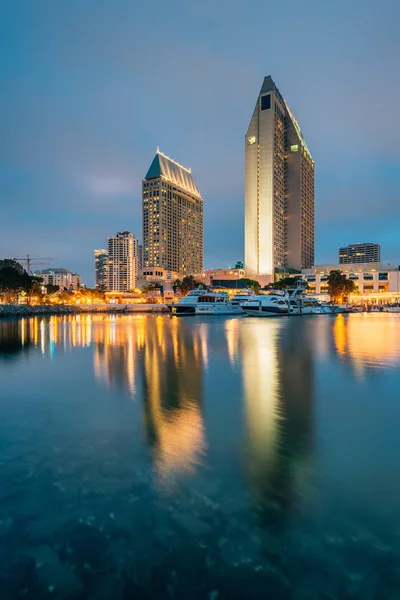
x=90, y=88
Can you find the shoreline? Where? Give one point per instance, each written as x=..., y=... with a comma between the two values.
x=23, y=310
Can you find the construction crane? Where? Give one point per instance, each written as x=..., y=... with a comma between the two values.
x=29, y=261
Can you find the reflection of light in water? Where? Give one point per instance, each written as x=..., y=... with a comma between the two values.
x=180, y=439
x=171, y=358
x=172, y=396
x=339, y=331
x=42, y=340
x=322, y=336
x=261, y=393
x=23, y=333
x=115, y=347
x=203, y=341
x=231, y=332
x=35, y=328
x=368, y=340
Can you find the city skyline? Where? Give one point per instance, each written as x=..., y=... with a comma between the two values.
x=81, y=121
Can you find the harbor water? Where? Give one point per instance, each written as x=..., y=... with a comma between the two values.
x=143, y=456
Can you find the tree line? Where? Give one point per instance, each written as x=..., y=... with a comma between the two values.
x=15, y=281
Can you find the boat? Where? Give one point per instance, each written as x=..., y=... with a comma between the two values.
x=205, y=302
x=243, y=296
x=392, y=308
x=334, y=309
x=284, y=303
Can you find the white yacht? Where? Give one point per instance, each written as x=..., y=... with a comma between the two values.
x=205, y=302
x=243, y=296
x=392, y=308
x=284, y=303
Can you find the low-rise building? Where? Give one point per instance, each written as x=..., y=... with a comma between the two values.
x=372, y=280
x=61, y=277
x=209, y=275
x=148, y=275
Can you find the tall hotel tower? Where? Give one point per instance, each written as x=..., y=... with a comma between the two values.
x=279, y=190
x=172, y=218
x=121, y=275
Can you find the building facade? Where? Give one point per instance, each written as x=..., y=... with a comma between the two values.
x=100, y=269
x=172, y=218
x=279, y=190
x=370, y=278
x=121, y=275
x=158, y=275
x=140, y=256
x=359, y=254
x=209, y=275
x=61, y=277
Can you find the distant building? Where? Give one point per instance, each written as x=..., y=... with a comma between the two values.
x=360, y=253
x=100, y=269
x=61, y=277
x=158, y=275
x=140, y=256
x=279, y=190
x=136, y=255
x=121, y=276
x=172, y=218
x=370, y=278
x=220, y=274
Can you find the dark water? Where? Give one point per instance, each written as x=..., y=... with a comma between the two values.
x=148, y=457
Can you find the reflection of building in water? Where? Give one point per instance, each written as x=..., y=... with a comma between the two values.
x=50, y=334
x=278, y=396
x=170, y=356
x=366, y=340
x=172, y=365
x=116, y=342
x=17, y=336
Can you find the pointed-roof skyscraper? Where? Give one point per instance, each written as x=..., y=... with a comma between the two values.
x=279, y=190
x=172, y=218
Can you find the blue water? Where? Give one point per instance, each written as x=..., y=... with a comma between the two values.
x=149, y=457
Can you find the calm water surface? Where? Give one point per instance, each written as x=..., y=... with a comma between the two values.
x=149, y=457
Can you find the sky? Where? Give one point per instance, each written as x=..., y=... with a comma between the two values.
x=90, y=88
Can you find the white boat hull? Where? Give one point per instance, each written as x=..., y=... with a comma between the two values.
x=216, y=309
x=257, y=310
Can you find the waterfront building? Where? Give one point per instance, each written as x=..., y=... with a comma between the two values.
x=360, y=253
x=121, y=274
x=172, y=218
x=370, y=278
x=209, y=275
x=279, y=190
x=63, y=278
x=156, y=275
x=100, y=269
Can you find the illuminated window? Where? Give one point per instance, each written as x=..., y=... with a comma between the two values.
x=294, y=148
x=251, y=140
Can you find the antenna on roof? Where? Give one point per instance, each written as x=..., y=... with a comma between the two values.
x=158, y=150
